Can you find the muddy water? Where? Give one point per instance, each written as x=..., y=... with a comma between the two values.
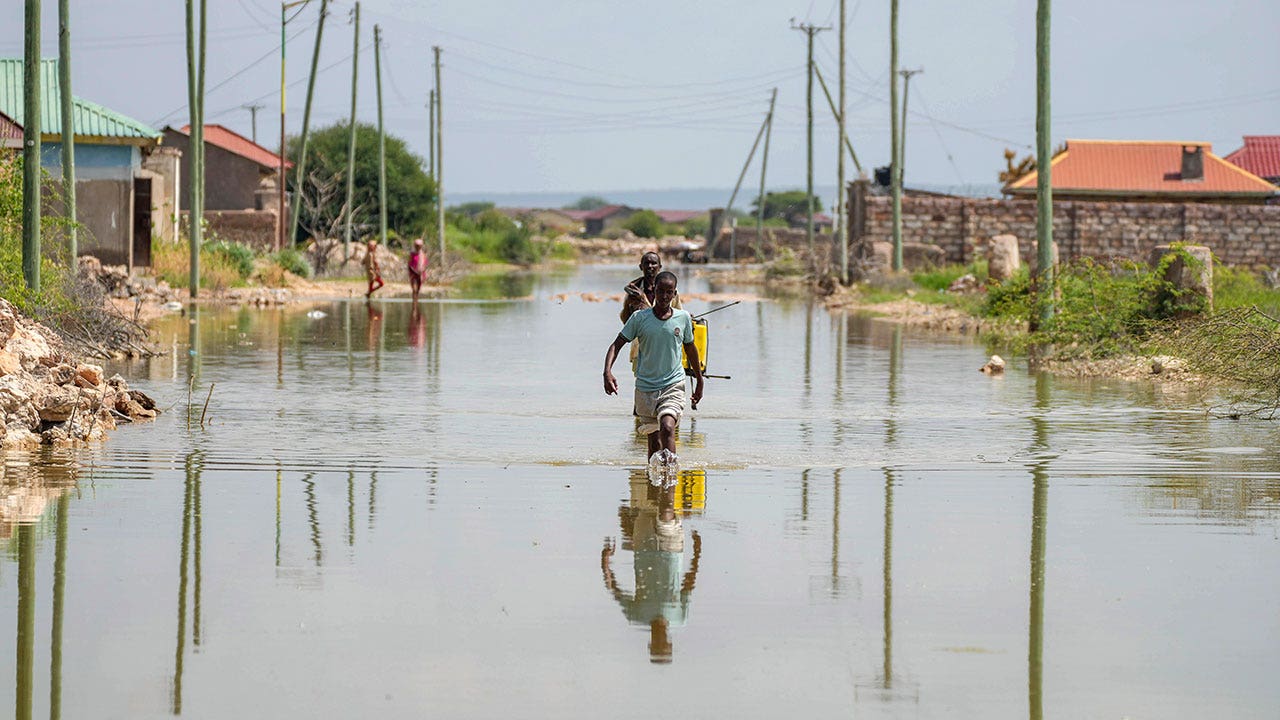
x=400, y=512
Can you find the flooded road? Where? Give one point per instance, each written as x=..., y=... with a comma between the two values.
x=400, y=512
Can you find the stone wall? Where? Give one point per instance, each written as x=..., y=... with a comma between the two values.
x=1237, y=234
x=255, y=228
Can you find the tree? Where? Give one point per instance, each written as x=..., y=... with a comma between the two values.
x=644, y=223
x=470, y=209
x=791, y=205
x=411, y=192
x=588, y=202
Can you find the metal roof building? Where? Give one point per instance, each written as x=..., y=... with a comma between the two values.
x=92, y=122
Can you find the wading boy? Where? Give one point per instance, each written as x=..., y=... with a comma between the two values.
x=663, y=331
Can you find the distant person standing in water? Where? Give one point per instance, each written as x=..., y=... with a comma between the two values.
x=371, y=268
x=663, y=332
x=417, y=268
x=641, y=293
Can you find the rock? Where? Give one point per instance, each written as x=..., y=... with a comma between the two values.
x=994, y=366
x=1003, y=259
x=9, y=363
x=143, y=399
x=1189, y=270
x=966, y=283
x=91, y=374
x=57, y=405
x=61, y=374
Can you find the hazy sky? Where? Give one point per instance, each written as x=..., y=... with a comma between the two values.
x=613, y=94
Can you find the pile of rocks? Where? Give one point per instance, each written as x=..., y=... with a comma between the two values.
x=117, y=283
x=326, y=258
x=48, y=397
x=258, y=297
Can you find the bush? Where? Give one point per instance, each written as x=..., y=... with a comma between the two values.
x=786, y=265
x=941, y=278
x=1241, y=288
x=171, y=262
x=644, y=223
x=294, y=261
x=237, y=255
x=493, y=241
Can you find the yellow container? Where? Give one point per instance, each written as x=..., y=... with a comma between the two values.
x=700, y=342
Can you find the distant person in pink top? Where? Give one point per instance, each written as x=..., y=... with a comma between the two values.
x=417, y=267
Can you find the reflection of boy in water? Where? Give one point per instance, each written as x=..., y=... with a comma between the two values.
x=661, y=596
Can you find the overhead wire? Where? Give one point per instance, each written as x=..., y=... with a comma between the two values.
x=950, y=158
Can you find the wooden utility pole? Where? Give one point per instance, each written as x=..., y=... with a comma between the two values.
x=31, y=148
x=195, y=111
x=842, y=233
x=835, y=114
x=439, y=159
x=253, y=119
x=1044, y=176
x=382, y=139
x=431, y=138
x=900, y=164
x=764, y=165
x=810, y=31
x=68, y=130
x=351, y=140
x=300, y=177
x=281, y=224
x=895, y=186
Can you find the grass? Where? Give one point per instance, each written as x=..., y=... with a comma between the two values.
x=171, y=262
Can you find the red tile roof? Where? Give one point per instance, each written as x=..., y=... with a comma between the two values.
x=233, y=142
x=1260, y=155
x=578, y=215
x=1137, y=167
x=605, y=212
x=678, y=216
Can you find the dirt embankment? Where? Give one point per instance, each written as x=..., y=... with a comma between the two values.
x=49, y=397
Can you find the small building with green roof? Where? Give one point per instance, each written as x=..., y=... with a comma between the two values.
x=126, y=182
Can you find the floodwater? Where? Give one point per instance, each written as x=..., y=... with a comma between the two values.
x=397, y=512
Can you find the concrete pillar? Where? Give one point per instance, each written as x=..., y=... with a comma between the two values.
x=1003, y=258
x=162, y=164
x=1188, y=270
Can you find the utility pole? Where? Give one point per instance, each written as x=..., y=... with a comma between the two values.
x=351, y=141
x=809, y=30
x=382, y=139
x=195, y=110
x=281, y=226
x=300, y=177
x=822, y=83
x=1044, y=161
x=900, y=163
x=31, y=148
x=68, y=130
x=439, y=175
x=764, y=165
x=733, y=251
x=895, y=186
x=253, y=119
x=431, y=139
x=841, y=234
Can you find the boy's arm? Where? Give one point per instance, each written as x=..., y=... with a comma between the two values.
x=695, y=365
x=610, y=355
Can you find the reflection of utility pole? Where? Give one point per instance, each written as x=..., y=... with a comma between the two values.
x=59, y=594
x=26, y=644
x=900, y=164
x=313, y=517
x=809, y=30
x=253, y=119
x=373, y=490
x=351, y=508
x=835, y=532
x=1039, y=522
x=887, y=672
x=183, y=554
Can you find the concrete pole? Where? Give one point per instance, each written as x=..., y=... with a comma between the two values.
x=835, y=114
x=68, y=130
x=808, y=103
x=31, y=150
x=351, y=140
x=431, y=134
x=439, y=160
x=382, y=139
x=896, y=187
x=198, y=166
x=300, y=178
x=842, y=234
x=1044, y=171
x=732, y=196
x=284, y=150
x=764, y=166
x=193, y=117
x=901, y=163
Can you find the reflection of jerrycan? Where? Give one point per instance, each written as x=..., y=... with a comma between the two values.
x=699, y=341
x=691, y=491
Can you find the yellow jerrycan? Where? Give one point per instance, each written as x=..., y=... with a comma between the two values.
x=700, y=342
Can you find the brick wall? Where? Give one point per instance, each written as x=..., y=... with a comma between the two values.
x=255, y=228
x=1237, y=234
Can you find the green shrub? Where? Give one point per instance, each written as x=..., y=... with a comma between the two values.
x=294, y=261
x=786, y=265
x=941, y=278
x=1242, y=287
x=236, y=254
x=644, y=223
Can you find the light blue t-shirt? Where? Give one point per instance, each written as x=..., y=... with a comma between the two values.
x=661, y=347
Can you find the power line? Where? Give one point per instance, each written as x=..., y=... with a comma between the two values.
x=951, y=159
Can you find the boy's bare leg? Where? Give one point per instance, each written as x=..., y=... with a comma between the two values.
x=667, y=433
x=654, y=444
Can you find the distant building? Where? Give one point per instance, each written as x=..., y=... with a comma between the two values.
x=10, y=132
x=1260, y=156
x=679, y=217
x=239, y=173
x=125, y=185
x=545, y=220
x=609, y=216
x=1146, y=171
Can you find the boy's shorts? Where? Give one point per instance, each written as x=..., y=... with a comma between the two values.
x=650, y=406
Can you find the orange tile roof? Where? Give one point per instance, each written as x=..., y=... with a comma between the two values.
x=234, y=142
x=1138, y=167
x=1260, y=155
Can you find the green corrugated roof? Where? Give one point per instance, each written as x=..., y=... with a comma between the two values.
x=90, y=119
